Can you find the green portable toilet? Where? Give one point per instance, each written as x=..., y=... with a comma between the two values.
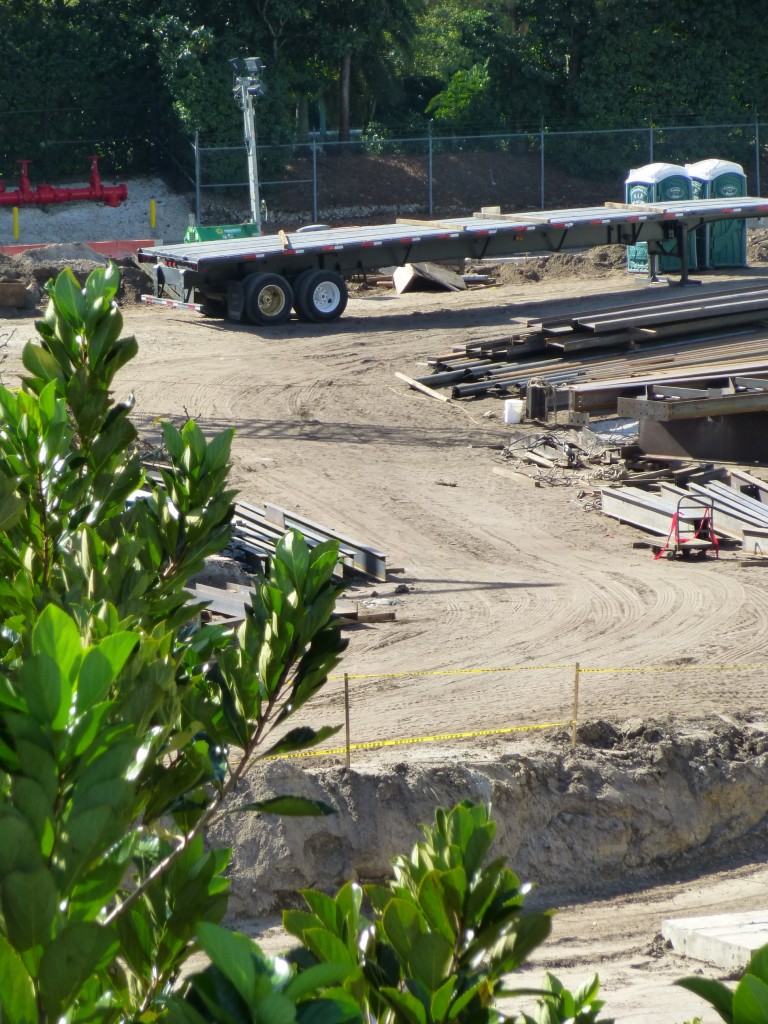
x=723, y=243
x=658, y=183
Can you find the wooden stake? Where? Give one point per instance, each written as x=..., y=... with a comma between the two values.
x=346, y=714
x=574, y=724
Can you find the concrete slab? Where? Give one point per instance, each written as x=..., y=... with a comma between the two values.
x=725, y=940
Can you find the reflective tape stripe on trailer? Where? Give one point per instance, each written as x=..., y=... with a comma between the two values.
x=153, y=300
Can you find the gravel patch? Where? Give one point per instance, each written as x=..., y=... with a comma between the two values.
x=95, y=222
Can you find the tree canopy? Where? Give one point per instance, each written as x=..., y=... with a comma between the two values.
x=337, y=64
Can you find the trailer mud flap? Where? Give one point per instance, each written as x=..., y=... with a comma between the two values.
x=235, y=300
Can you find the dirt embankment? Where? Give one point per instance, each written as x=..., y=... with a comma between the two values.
x=629, y=803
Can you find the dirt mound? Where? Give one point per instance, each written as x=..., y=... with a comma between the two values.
x=632, y=801
x=34, y=267
x=599, y=262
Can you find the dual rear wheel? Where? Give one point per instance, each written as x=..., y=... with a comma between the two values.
x=317, y=296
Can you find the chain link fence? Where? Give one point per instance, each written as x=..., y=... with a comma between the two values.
x=372, y=177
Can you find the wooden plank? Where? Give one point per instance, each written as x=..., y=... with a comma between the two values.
x=537, y=460
x=376, y=616
x=518, y=478
x=284, y=239
x=444, y=225
x=417, y=386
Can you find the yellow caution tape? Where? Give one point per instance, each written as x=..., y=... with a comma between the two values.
x=373, y=744
x=451, y=672
x=679, y=668
x=538, y=668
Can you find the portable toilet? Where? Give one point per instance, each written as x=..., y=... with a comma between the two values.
x=722, y=243
x=658, y=183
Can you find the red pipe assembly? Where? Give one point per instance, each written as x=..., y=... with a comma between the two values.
x=45, y=195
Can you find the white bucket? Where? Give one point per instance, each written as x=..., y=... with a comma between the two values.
x=513, y=410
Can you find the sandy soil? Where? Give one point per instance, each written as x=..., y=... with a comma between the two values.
x=498, y=574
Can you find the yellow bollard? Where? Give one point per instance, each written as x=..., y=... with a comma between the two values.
x=152, y=217
x=16, y=223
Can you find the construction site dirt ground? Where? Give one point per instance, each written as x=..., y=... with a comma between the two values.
x=498, y=574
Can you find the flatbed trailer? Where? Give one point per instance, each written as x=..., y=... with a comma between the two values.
x=261, y=280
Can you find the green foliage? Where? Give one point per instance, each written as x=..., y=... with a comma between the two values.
x=557, y=1004
x=117, y=708
x=465, y=98
x=443, y=935
x=243, y=986
x=748, y=1003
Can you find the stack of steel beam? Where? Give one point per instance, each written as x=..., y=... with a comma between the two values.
x=602, y=355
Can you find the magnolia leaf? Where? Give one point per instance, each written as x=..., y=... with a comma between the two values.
x=234, y=954
x=320, y=976
x=328, y=948
x=17, y=994
x=716, y=994
x=41, y=362
x=750, y=1001
x=289, y=806
x=80, y=949
x=407, y=1006
x=29, y=900
x=300, y=738
x=69, y=298
x=56, y=635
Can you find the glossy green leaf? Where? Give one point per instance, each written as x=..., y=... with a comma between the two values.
x=41, y=362
x=301, y=738
x=432, y=903
x=441, y=1000
x=750, y=1001
x=233, y=954
x=70, y=300
x=79, y=949
x=408, y=1007
x=758, y=964
x=17, y=993
x=716, y=994
x=403, y=925
x=56, y=635
x=316, y=978
x=327, y=947
x=289, y=806
x=29, y=901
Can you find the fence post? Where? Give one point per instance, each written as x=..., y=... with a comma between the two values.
x=650, y=144
x=315, y=214
x=574, y=723
x=346, y=715
x=197, y=176
x=541, y=161
x=429, y=167
x=757, y=155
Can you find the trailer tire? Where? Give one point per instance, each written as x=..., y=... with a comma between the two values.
x=267, y=299
x=321, y=295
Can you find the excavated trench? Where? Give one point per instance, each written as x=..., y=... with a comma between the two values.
x=631, y=803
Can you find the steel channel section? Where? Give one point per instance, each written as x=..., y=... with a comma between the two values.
x=602, y=394
x=729, y=520
x=690, y=409
x=363, y=557
x=751, y=506
x=347, y=250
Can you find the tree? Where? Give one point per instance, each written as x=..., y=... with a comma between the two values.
x=118, y=709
